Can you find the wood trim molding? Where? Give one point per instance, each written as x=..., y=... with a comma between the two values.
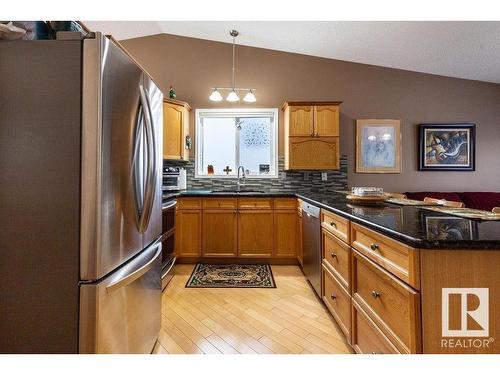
x=288, y=104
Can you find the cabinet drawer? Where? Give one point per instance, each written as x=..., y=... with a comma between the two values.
x=336, y=255
x=220, y=203
x=285, y=203
x=336, y=225
x=397, y=258
x=393, y=305
x=189, y=204
x=367, y=338
x=255, y=203
x=338, y=301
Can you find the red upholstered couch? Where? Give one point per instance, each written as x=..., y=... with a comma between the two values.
x=479, y=200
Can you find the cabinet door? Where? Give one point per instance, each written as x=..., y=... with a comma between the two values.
x=313, y=153
x=326, y=121
x=285, y=233
x=219, y=233
x=188, y=233
x=173, y=128
x=255, y=233
x=301, y=121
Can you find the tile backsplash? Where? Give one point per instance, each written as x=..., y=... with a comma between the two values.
x=286, y=181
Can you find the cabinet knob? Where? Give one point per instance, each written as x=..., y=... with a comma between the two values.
x=375, y=294
x=374, y=246
x=333, y=296
x=333, y=255
x=333, y=224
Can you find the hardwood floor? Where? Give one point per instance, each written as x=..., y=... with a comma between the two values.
x=288, y=319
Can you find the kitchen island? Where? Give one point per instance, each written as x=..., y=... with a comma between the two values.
x=396, y=279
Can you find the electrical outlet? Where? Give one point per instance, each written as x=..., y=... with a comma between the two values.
x=324, y=176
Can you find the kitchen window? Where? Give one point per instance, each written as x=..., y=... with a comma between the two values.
x=228, y=138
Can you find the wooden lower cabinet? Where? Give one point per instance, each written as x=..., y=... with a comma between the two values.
x=255, y=233
x=392, y=305
x=337, y=300
x=188, y=233
x=366, y=337
x=220, y=233
x=285, y=236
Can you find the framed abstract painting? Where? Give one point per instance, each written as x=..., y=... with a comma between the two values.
x=447, y=147
x=378, y=146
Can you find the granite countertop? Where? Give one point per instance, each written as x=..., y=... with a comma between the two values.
x=414, y=226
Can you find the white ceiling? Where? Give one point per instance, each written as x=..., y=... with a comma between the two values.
x=468, y=50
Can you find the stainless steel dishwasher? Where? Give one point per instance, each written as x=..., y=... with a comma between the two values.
x=311, y=242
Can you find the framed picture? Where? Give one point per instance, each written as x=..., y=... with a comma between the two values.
x=447, y=227
x=378, y=146
x=447, y=147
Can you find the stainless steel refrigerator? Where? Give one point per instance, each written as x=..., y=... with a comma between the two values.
x=80, y=217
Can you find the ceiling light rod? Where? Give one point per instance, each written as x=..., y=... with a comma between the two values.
x=216, y=96
x=234, y=34
x=233, y=88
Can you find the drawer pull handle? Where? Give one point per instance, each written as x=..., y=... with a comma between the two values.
x=375, y=294
x=333, y=224
x=333, y=255
x=374, y=246
x=333, y=296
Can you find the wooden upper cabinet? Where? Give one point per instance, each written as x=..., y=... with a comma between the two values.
x=326, y=121
x=311, y=135
x=306, y=153
x=301, y=121
x=175, y=129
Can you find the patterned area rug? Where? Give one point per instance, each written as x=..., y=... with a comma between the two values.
x=231, y=276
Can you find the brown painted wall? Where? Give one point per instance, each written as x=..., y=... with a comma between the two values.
x=193, y=66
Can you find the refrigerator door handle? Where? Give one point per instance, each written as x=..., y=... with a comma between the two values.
x=151, y=164
x=137, y=166
x=136, y=273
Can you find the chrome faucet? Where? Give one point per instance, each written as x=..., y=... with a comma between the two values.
x=244, y=176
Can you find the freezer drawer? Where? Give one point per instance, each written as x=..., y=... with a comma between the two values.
x=122, y=312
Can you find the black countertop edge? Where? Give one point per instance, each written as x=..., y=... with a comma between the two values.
x=208, y=193
x=478, y=244
x=411, y=241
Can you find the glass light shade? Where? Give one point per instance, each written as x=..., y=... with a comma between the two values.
x=250, y=97
x=232, y=96
x=215, y=96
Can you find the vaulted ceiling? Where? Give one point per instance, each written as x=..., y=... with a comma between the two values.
x=469, y=50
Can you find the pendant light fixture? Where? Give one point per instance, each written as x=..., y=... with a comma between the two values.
x=233, y=96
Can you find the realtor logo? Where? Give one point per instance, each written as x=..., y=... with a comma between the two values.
x=465, y=312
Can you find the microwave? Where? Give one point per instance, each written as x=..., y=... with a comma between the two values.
x=171, y=178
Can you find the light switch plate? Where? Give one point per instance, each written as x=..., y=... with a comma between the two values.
x=324, y=176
